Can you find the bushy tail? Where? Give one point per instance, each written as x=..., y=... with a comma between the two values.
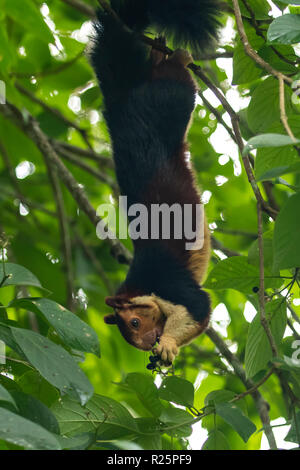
x=121, y=59
x=188, y=23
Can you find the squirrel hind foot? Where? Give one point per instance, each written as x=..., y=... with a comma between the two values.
x=181, y=57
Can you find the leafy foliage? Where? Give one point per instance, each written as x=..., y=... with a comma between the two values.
x=56, y=392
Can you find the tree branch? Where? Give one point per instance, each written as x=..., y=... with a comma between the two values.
x=87, y=153
x=31, y=127
x=250, y=51
x=55, y=112
x=64, y=232
x=262, y=406
x=78, y=5
x=96, y=173
x=283, y=116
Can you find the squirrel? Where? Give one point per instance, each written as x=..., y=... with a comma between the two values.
x=149, y=99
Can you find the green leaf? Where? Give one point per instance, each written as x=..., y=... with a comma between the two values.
x=107, y=416
x=9, y=384
x=260, y=8
x=7, y=54
x=236, y=419
x=180, y=422
x=216, y=441
x=69, y=78
x=258, y=350
x=218, y=396
x=264, y=108
x=34, y=384
x=274, y=161
x=180, y=391
x=293, y=434
x=91, y=98
x=281, y=58
x=236, y=273
x=7, y=337
x=3, y=313
x=245, y=70
x=253, y=253
x=146, y=440
x=27, y=15
x=287, y=235
x=18, y=276
x=35, y=411
x=39, y=56
x=284, y=30
x=146, y=391
x=269, y=140
x=54, y=363
x=288, y=363
x=146, y=443
x=24, y=433
x=73, y=331
x=6, y=397
x=79, y=442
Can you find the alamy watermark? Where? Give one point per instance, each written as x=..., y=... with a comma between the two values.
x=2, y=92
x=160, y=221
x=296, y=353
x=2, y=353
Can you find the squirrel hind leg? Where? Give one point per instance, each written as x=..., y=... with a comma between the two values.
x=181, y=57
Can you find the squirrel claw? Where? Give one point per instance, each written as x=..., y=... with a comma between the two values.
x=167, y=350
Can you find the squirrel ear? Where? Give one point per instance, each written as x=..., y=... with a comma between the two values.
x=113, y=302
x=110, y=319
x=117, y=302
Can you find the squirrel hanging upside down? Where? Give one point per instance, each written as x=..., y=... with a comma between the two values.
x=149, y=99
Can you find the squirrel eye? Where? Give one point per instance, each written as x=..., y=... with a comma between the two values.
x=135, y=323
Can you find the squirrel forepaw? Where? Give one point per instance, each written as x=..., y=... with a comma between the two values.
x=167, y=349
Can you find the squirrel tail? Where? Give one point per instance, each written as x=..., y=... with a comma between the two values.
x=187, y=23
x=121, y=59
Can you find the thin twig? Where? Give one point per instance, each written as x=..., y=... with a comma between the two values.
x=238, y=233
x=87, y=153
x=7, y=358
x=31, y=204
x=55, y=112
x=94, y=172
x=283, y=115
x=250, y=51
x=255, y=387
x=261, y=296
x=217, y=114
x=294, y=314
x=64, y=232
x=15, y=183
x=109, y=10
x=217, y=245
x=52, y=71
x=260, y=33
